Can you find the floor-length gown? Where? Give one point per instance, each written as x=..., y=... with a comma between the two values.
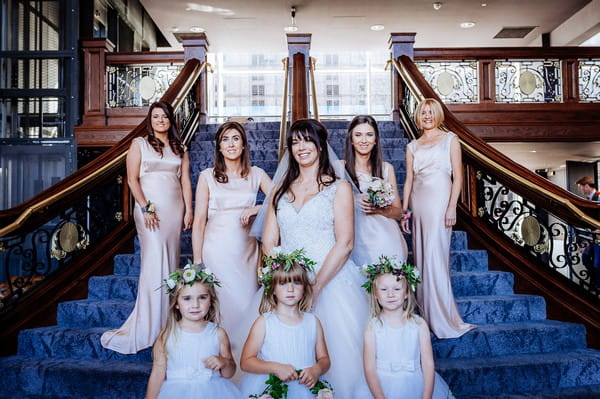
x=342, y=304
x=378, y=234
x=161, y=184
x=431, y=238
x=228, y=250
x=187, y=376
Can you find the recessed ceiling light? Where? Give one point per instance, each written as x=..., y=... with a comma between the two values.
x=483, y=4
x=534, y=151
x=562, y=166
x=467, y=24
x=437, y=5
x=174, y=29
x=377, y=27
x=196, y=29
x=291, y=28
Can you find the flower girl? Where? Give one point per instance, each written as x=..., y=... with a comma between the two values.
x=285, y=341
x=192, y=352
x=397, y=355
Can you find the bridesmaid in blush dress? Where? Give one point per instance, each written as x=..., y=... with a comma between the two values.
x=225, y=205
x=378, y=233
x=433, y=184
x=159, y=178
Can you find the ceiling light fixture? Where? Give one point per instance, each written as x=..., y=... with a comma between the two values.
x=483, y=4
x=377, y=27
x=467, y=24
x=437, y=5
x=196, y=29
x=292, y=27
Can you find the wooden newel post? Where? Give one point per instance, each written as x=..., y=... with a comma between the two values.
x=195, y=45
x=399, y=44
x=299, y=59
x=94, y=90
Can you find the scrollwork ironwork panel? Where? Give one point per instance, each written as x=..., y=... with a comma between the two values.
x=528, y=81
x=29, y=258
x=454, y=81
x=551, y=240
x=589, y=80
x=138, y=85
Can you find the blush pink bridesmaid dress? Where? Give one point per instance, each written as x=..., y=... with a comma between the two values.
x=431, y=239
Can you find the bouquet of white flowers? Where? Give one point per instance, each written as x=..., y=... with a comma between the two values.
x=380, y=193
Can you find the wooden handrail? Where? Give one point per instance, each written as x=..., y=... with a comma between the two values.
x=135, y=58
x=313, y=88
x=65, y=191
x=284, y=107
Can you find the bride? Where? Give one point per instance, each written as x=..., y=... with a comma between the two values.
x=311, y=209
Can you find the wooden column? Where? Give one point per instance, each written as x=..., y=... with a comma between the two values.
x=195, y=45
x=299, y=59
x=570, y=83
x=487, y=81
x=399, y=44
x=94, y=77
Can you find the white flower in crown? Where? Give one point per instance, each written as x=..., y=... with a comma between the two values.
x=265, y=270
x=416, y=273
x=188, y=266
x=276, y=251
x=189, y=274
x=171, y=283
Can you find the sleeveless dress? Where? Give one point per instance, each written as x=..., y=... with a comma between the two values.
x=159, y=250
x=342, y=304
x=186, y=375
x=378, y=234
x=431, y=239
x=228, y=249
x=398, y=358
x=286, y=344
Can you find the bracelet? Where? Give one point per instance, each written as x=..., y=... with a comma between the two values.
x=149, y=208
x=406, y=215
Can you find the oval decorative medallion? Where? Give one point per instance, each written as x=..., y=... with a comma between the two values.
x=68, y=236
x=530, y=230
x=445, y=83
x=147, y=87
x=527, y=82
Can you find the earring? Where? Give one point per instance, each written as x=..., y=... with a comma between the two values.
x=405, y=304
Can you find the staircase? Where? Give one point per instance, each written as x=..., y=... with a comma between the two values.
x=514, y=353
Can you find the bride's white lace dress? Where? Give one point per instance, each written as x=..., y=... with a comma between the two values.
x=342, y=305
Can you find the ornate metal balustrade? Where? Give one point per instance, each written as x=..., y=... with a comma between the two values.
x=528, y=81
x=551, y=240
x=138, y=85
x=453, y=81
x=589, y=80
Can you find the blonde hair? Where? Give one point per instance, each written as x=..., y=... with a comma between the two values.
x=436, y=111
x=410, y=300
x=296, y=272
x=174, y=315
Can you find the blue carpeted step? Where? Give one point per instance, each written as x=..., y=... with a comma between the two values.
x=482, y=283
x=72, y=378
x=490, y=309
x=129, y=264
x=122, y=288
x=521, y=373
x=501, y=339
x=583, y=392
x=72, y=342
x=86, y=314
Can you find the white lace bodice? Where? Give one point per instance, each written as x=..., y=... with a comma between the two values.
x=310, y=227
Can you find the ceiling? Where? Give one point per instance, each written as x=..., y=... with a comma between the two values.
x=551, y=156
x=344, y=25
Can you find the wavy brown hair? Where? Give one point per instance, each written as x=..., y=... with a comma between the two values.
x=173, y=134
x=375, y=158
x=295, y=273
x=315, y=132
x=219, y=171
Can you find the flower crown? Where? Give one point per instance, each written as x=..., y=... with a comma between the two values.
x=278, y=260
x=390, y=265
x=189, y=275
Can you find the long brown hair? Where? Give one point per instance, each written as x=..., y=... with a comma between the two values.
x=174, y=314
x=295, y=273
x=315, y=132
x=375, y=158
x=173, y=133
x=219, y=171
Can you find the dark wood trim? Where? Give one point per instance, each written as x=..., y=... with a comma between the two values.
x=40, y=308
x=487, y=88
x=94, y=64
x=480, y=53
x=570, y=80
x=166, y=57
x=101, y=136
x=299, y=88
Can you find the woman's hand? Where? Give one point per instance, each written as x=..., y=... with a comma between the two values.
x=405, y=225
x=368, y=207
x=450, y=217
x=285, y=372
x=309, y=377
x=188, y=219
x=247, y=214
x=151, y=220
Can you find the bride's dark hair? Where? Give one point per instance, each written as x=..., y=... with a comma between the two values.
x=313, y=131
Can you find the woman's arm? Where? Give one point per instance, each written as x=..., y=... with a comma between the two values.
x=408, y=182
x=199, y=225
x=159, y=369
x=133, y=162
x=343, y=216
x=186, y=188
x=265, y=187
x=270, y=237
x=250, y=363
x=223, y=363
x=310, y=375
x=457, y=181
x=394, y=211
x=370, y=363
x=427, y=363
